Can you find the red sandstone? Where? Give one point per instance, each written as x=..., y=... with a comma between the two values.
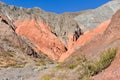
x=40, y=34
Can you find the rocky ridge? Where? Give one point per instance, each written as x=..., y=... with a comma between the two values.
x=26, y=32
x=57, y=28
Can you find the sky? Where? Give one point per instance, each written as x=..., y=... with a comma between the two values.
x=58, y=6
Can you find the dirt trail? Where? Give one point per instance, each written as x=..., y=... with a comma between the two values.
x=30, y=72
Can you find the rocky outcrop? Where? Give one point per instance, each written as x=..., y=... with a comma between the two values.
x=59, y=24
x=47, y=32
x=8, y=32
x=41, y=36
x=113, y=33
x=103, y=13
x=91, y=43
x=94, y=43
x=114, y=28
x=58, y=35
x=92, y=24
x=13, y=49
x=84, y=39
x=34, y=31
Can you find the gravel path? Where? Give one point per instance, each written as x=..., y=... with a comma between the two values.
x=26, y=73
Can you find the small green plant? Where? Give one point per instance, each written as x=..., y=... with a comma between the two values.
x=105, y=60
x=40, y=63
x=84, y=67
x=19, y=65
x=89, y=68
x=72, y=66
x=42, y=60
x=52, y=77
x=8, y=59
x=46, y=77
x=10, y=53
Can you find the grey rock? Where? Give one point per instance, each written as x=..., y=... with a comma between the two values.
x=92, y=19
x=61, y=25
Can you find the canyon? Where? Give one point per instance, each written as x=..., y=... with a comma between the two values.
x=32, y=34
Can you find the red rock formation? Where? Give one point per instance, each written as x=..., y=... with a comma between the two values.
x=40, y=34
x=83, y=39
x=113, y=34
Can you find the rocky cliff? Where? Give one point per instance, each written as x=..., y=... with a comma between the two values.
x=14, y=49
x=113, y=33
x=47, y=32
x=103, y=13
x=76, y=39
x=98, y=57
x=55, y=34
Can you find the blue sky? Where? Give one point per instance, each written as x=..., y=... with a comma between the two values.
x=58, y=6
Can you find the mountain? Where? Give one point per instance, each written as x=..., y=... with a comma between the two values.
x=113, y=31
x=57, y=28
x=68, y=46
x=95, y=17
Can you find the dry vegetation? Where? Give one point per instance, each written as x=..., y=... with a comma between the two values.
x=8, y=59
x=83, y=67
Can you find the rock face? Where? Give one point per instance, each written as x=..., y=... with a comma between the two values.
x=91, y=43
x=58, y=35
x=113, y=32
x=34, y=31
x=92, y=19
x=8, y=37
x=59, y=24
x=46, y=31
x=84, y=39
x=41, y=36
x=13, y=48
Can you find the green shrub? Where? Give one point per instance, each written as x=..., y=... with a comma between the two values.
x=90, y=68
x=72, y=66
x=85, y=68
x=40, y=63
x=22, y=65
x=46, y=77
x=8, y=59
x=105, y=60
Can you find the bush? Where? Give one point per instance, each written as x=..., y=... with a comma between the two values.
x=46, y=77
x=105, y=60
x=8, y=59
x=83, y=67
